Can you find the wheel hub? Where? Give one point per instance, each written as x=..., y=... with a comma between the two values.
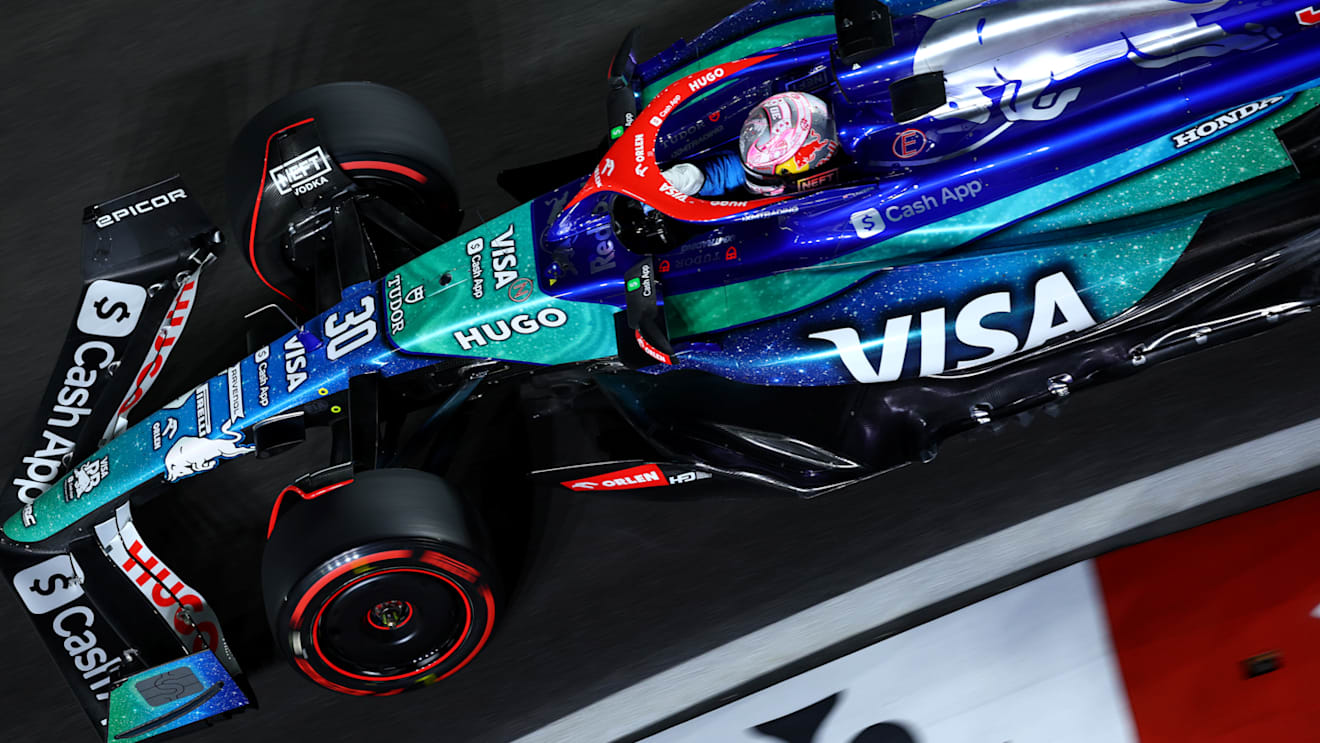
x=390, y=615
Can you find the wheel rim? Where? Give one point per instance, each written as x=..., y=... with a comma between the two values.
x=392, y=624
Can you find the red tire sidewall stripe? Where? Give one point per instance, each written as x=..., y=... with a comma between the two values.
x=316, y=587
x=485, y=635
x=463, y=636
x=311, y=673
x=454, y=566
x=427, y=556
x=402, y=170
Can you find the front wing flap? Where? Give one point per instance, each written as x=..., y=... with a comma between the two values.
x=109, y=610
x=142, y=254
x=104, y=605
x=170, y=696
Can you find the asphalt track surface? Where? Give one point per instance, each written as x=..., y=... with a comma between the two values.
x=110, y=96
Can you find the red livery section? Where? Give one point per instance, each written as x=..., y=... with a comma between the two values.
x=170, y=332
x=1210, y=635
x=1217, y=629
x=645, y=476
x=629, y=168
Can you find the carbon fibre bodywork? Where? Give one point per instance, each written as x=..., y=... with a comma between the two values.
x=1096, y=187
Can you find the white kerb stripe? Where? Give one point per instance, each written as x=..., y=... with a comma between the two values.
x=944, y=576
x=1030, y=665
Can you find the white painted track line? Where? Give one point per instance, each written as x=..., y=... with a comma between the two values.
x=946, y=575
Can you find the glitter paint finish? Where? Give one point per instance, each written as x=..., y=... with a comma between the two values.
x=1156, y=181
x=1133, y=134
x=203, y=428
x=1113, y=121
x=492, y=306
x=1109, y=273
x=1080, y=150
x=129, y=709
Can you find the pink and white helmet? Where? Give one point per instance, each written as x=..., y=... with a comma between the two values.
x=787, y=135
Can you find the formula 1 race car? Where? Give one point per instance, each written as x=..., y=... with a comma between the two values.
x=1032, y=196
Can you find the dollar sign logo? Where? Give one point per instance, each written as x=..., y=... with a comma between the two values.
x=105, y=314
x=50, y=584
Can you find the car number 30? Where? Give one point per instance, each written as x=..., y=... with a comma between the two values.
x=355, y=330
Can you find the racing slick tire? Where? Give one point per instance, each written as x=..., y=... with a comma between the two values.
x=385, y=140
x=378, y=585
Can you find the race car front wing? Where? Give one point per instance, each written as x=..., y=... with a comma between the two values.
x=142, y=650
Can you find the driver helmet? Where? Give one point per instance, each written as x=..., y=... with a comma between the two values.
x=785, y=137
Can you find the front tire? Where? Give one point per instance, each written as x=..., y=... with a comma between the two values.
x=386, y=141
x=379, y=586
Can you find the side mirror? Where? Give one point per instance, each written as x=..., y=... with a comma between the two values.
x=621, y=101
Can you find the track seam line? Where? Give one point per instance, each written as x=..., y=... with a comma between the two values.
x=948, y=574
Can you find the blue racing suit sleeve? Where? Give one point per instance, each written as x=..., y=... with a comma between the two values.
x=724, y=173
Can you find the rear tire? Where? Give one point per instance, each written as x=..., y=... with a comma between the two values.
x=385, y=140
x=379, y=586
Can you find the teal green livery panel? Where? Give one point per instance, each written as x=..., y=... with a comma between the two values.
x=478, y=296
